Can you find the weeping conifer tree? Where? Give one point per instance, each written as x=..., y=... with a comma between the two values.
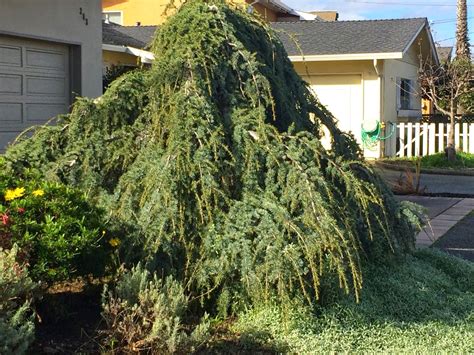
x=214, y=155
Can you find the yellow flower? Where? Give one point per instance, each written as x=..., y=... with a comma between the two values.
x=12, y=194
x=114, y=242
x=38, y=193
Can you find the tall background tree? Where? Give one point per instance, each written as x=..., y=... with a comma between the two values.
x=449, y=86
x=462, y=37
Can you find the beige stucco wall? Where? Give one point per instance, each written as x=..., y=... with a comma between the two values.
x=116, y=58
x=61, y=21
x=370, y=86
x=406, y=68
x=396, y=69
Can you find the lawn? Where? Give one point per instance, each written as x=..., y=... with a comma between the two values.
x=424, y=304
x=438, y=161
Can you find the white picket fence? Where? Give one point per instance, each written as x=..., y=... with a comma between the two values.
x=420, y=139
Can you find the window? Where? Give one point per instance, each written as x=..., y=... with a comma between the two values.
x=406, y=94
x=408, y=101
x=112, y=17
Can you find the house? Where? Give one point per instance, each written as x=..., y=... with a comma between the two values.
x=365, y=72
x=327, y=15
x=154, y=12
x=126, y=46
x=445, y=54
x=129, y=26
x=50, y=51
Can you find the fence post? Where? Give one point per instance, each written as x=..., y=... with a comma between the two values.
x=465, y=147
x=425, y=139
x=417, y=139
x=410, y=139
x=471, y=138
x=441, y=137
x=456, y=137
x=401, y=130
x=432, y=148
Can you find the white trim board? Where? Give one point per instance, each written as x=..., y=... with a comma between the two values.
x=352, y=56
x=145, y=56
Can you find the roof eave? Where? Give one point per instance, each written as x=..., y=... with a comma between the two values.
x=425, y=27
x=279, y=6
x=345, y=57
x=433, y=46
x=145, y=56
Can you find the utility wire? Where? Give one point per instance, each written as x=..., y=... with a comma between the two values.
x=447, y=39
x=440, y=22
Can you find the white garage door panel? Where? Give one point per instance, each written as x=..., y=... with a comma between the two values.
x=52, y=87
x=10, y=55
x=10, y=113
x=343, y=96
x=8, y=136
x=40, y=113
x=47, y=60
x=10, y=84
x=34, y=84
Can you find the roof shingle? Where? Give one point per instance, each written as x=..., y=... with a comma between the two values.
x=347, y=37
x=444, y=53
x=133, y=36
x=313, y=37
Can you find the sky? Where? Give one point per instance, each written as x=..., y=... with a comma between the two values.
x=442, y=18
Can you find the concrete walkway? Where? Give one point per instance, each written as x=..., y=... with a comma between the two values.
x=436, y=184
x=443, y=214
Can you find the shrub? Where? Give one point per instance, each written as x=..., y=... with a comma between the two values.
x=113, y=73
x=215, y=156
x=143, y=312
x=16, y=319
x=60, y=235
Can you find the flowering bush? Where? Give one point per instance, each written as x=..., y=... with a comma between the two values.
x=60, y=234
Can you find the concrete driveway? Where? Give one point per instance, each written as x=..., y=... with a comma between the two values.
x=451, y=224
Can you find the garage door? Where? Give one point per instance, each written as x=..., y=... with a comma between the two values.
x=34, y=84
x=342, y=95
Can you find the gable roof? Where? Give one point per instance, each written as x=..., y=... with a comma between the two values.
x=444, y=53
x=348, y=37
x=375, y=39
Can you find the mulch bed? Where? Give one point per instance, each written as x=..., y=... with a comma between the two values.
x=69, y=320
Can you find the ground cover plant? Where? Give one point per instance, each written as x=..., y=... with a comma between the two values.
x=211, y=166
x=421, y=304
x=440, y=161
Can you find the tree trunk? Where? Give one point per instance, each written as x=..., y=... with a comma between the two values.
x=451, y=148
x=462, y=40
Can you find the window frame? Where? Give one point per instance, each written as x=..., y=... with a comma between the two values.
x=406, y=94
x=106, y=13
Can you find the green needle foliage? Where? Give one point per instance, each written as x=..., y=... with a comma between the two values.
x=215, y=157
